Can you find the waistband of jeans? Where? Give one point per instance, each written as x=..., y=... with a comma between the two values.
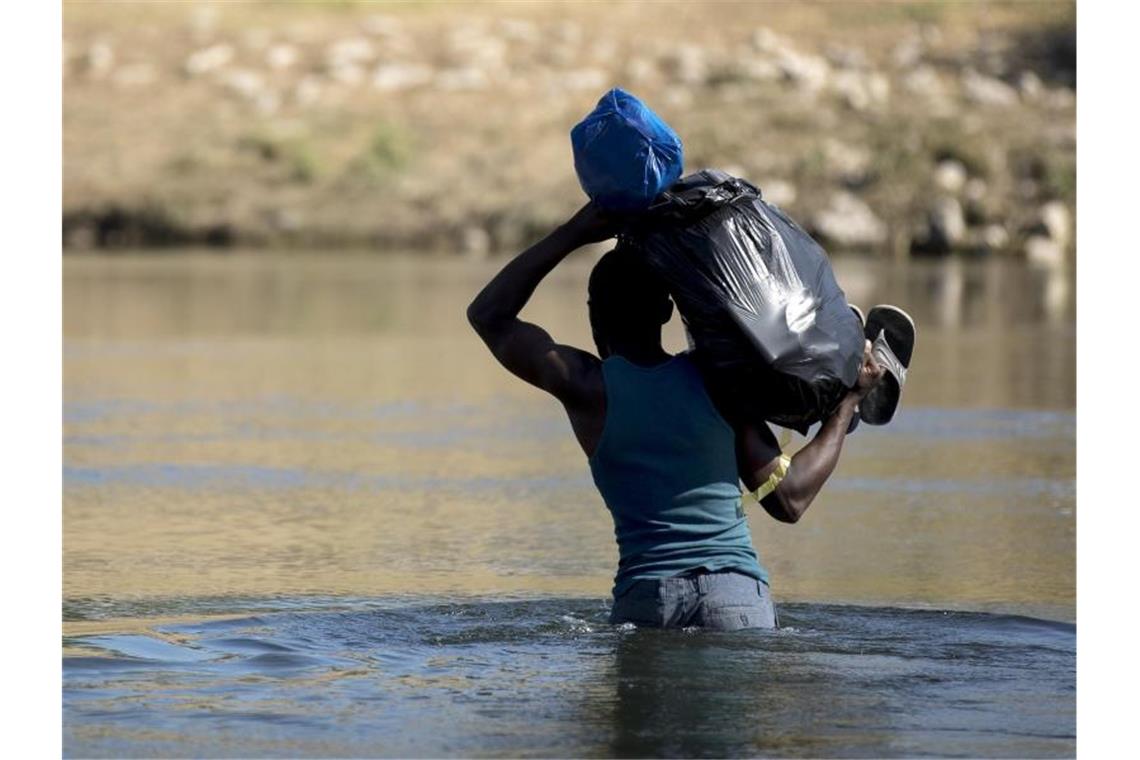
x=697, y=571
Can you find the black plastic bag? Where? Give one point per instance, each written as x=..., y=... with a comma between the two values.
x=772, y=329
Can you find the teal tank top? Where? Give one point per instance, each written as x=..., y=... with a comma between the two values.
x=666, y=468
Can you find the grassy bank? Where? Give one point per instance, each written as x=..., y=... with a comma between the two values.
x=891, y=128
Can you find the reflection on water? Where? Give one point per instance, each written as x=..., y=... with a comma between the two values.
x=993, y=333
x=241, y=431
x=957, y=293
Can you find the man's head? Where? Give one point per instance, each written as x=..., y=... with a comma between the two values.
x=628, y=303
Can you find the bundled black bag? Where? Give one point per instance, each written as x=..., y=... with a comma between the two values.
x=772, y=330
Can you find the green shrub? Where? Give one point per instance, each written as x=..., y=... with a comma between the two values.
x=390, y=147
x=294, y=155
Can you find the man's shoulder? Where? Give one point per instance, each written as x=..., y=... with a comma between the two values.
x=586, y=381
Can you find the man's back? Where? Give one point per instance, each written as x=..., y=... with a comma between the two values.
x=666, y=468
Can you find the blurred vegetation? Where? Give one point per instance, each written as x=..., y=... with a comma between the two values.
x=294, y=156
x=389, y=151
x=446, y=126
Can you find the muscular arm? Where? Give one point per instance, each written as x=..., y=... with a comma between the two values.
x=758, y=453
x=758, y=457
x=524, y=348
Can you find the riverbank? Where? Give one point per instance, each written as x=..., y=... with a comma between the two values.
x=894, y=129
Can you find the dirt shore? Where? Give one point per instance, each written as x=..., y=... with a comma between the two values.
x=897, y=129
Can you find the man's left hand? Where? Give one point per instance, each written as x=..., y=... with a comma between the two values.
x=869, y=373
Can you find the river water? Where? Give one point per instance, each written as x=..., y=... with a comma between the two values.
x=305, y=513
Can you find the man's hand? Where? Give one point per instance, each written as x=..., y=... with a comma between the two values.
x=591, y=225
x=869, y=373
x=758, y=452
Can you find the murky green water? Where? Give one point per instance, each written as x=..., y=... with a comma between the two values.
x=306, y=514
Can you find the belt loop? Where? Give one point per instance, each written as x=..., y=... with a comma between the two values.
x=703, y=583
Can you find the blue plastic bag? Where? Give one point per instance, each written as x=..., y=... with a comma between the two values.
x=625, y=155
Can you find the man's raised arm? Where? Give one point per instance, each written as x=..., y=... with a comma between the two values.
x=526, y=349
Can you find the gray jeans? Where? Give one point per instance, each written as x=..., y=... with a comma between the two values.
x=725, y=601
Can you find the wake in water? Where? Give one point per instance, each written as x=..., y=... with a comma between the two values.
x=542, y=677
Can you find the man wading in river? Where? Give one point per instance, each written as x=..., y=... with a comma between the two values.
x=666, y=460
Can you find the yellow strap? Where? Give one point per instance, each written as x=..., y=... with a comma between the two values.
x=769, y=485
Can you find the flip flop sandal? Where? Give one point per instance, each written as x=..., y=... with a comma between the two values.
x=891, y=332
